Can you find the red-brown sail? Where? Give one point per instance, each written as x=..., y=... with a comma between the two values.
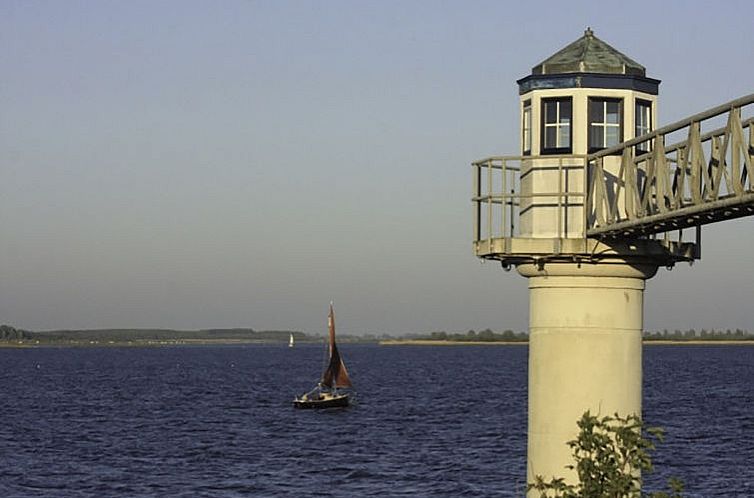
x=335, y=374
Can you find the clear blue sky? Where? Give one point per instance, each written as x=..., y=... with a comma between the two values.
x=241, y=163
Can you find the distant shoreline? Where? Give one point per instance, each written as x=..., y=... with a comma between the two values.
x=429, y=342
x=140, y=343
x=700, y=342
x=154, y=343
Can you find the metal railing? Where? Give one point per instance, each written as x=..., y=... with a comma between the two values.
x=534, y=207
x=499, y=200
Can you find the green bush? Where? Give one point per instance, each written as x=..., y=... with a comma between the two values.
x=610, y=453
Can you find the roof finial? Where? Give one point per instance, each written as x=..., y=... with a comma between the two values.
x=588, y=32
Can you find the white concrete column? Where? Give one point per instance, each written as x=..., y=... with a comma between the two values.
x=585, y=349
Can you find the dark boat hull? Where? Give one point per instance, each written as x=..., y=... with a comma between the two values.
x=328, y=401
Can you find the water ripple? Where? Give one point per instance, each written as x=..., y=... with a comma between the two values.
x=218, y=422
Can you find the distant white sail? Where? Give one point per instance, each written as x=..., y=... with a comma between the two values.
x=290, y=341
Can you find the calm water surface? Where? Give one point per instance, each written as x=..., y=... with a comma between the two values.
x=430, y=421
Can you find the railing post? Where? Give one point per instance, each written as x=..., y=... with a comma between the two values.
x=749, y=154
x=512, y=219
x=737, y=150
x=661, y=175
x=679, y=181
x=586, y=200
x=629, y=181
x=696, y=160
x=489, y=204
x=600, y=192
x=503, y=195
x=716, y=166
x=476, y=179
x=560, y=200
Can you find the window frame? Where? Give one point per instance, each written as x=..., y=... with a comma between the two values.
x=526, y=128
x=592, y=101
x=544, y=125
x=642, y=148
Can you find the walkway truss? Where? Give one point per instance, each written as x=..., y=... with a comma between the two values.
x=703, y=179
x=633, y=198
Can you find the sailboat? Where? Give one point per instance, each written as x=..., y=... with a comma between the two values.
x=290, y=341
x=335, y=376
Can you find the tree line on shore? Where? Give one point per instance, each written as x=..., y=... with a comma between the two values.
x=12, y=334
x=703, y=335
x=487, y=335
x=9, y=334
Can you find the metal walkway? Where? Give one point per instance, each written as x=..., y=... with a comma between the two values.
x=705, y=178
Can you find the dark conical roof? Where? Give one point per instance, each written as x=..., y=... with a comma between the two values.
x=589, y=54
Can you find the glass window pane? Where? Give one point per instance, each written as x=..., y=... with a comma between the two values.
x=596, y=136
x=613, y=136
x=643, y=113
x=596, y=114
x=551, y=112
x=564, y=136
x=550, y=137
x=613, y=112
x=565, y=111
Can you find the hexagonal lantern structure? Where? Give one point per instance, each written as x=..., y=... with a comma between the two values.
x=586, y=97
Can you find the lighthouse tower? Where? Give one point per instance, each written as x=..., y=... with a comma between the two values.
x=586, y=295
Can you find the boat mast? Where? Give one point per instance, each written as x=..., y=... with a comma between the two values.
x=335, y=374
